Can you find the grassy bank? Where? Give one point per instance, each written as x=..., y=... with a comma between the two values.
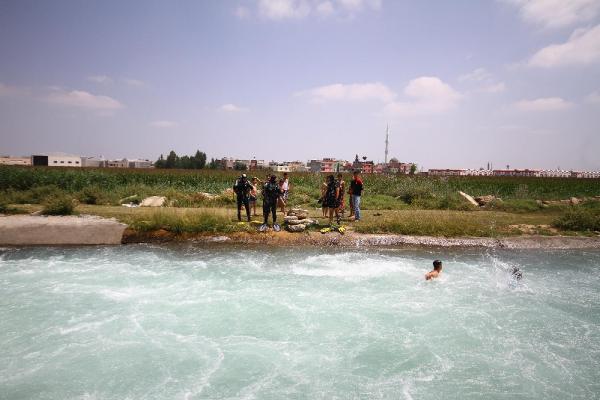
x=439, y=223
x=413, y=205
x=182, y=188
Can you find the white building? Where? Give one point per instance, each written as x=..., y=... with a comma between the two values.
x=7, y=160
x=93, y=162
x=138, y=163
x=280, y=168
x=56, y=160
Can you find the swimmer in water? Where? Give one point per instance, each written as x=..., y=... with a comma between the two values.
x=516, y=274
x=437, y=270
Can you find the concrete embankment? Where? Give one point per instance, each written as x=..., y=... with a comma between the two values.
x=353, y=240
x=26, y=230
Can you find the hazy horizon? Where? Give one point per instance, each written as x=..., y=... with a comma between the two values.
x=461, y=84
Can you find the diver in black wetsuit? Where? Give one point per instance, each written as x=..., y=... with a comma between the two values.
x=516, y=274
x=242, y=189
x=271, y=193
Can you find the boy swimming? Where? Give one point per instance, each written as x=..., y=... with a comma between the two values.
x=437, y=270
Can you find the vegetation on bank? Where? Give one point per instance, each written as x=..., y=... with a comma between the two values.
x=407, y=204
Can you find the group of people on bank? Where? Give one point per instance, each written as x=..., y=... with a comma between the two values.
x=275, y=194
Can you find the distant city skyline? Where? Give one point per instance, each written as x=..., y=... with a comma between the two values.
x=461, y=84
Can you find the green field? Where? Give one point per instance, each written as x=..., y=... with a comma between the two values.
x=405, y=204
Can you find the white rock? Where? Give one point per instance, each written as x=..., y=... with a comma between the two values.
x=290, y=218
x=296, y=228
x=470, y=199
x=153, y=201
x=294, y=222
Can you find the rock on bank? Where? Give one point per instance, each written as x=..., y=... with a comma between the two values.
x=24, y=230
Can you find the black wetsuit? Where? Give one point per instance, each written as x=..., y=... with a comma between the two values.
x=242, y=190
x=331, y=200
x=271, y=193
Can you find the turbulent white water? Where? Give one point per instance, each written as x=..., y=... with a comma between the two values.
x=149, y=322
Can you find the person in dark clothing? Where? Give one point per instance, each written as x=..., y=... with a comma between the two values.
x=271, y=193
x=332, y=194
x=242, y=189
x=356, y=187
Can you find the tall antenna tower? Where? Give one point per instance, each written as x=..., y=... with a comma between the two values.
x=387, y=141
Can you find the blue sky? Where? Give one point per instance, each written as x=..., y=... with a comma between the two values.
x=460, y=83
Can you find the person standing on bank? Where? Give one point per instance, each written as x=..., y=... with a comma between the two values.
x=342, y=191
x=271, y=194
x=285, y=188
x=331, y=197
x=242, y=189
x=356, y=187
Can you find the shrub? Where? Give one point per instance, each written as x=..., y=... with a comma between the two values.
x=90, y=195
x=59, y=205
x=515, y=205
x=577, y=219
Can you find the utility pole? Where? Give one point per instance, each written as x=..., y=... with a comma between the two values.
x=387, y=142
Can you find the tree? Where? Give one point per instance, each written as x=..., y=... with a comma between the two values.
x=184, y=162
x=172, y=160
x=213, y=164
x=413, y=169
x=160, y=163
x=198, y=160
x=238, y=166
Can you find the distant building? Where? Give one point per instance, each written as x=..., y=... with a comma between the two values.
x=226, y=163
x=94, y=162
x=393, y=167
x=256, y=164
x=56, y=160
x=7, y=160
x=326, y=165
x=280, y=168
x=366, y=167
x=516, y=172
x=137, y=163
x=122, y=163
x=445, y=172
x=296, y=166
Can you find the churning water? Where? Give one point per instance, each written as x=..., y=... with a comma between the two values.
x=150, y=322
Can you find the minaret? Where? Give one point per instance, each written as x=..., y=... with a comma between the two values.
x=387, y=142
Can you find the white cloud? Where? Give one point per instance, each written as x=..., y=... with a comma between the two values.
x=582, y=48
x=349, y=92
x=325, y=9
x=593, y=98
x=82, y=99
x=298, y=9
x=556, y=13
x=493, y=88
x=6, y=90
x=283, y=9
x=543, y=104
x=483, y=81
x=102, y=79
x=242, y=12
x=478, y=75
x=134, y=82
x=229, y=107
x=163, y=124
x=357, y=5
x=428, y=95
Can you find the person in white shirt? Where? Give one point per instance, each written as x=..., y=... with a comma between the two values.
x=285, y=188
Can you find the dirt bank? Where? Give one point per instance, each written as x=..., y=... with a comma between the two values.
x=26, y=230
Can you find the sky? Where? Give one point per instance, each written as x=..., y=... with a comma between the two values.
x=460, y=83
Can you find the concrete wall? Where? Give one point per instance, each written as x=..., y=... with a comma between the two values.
x=26, y=230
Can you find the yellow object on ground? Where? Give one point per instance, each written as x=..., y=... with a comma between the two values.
x=325, y=230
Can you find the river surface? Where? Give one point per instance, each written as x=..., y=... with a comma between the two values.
x=197, y=322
